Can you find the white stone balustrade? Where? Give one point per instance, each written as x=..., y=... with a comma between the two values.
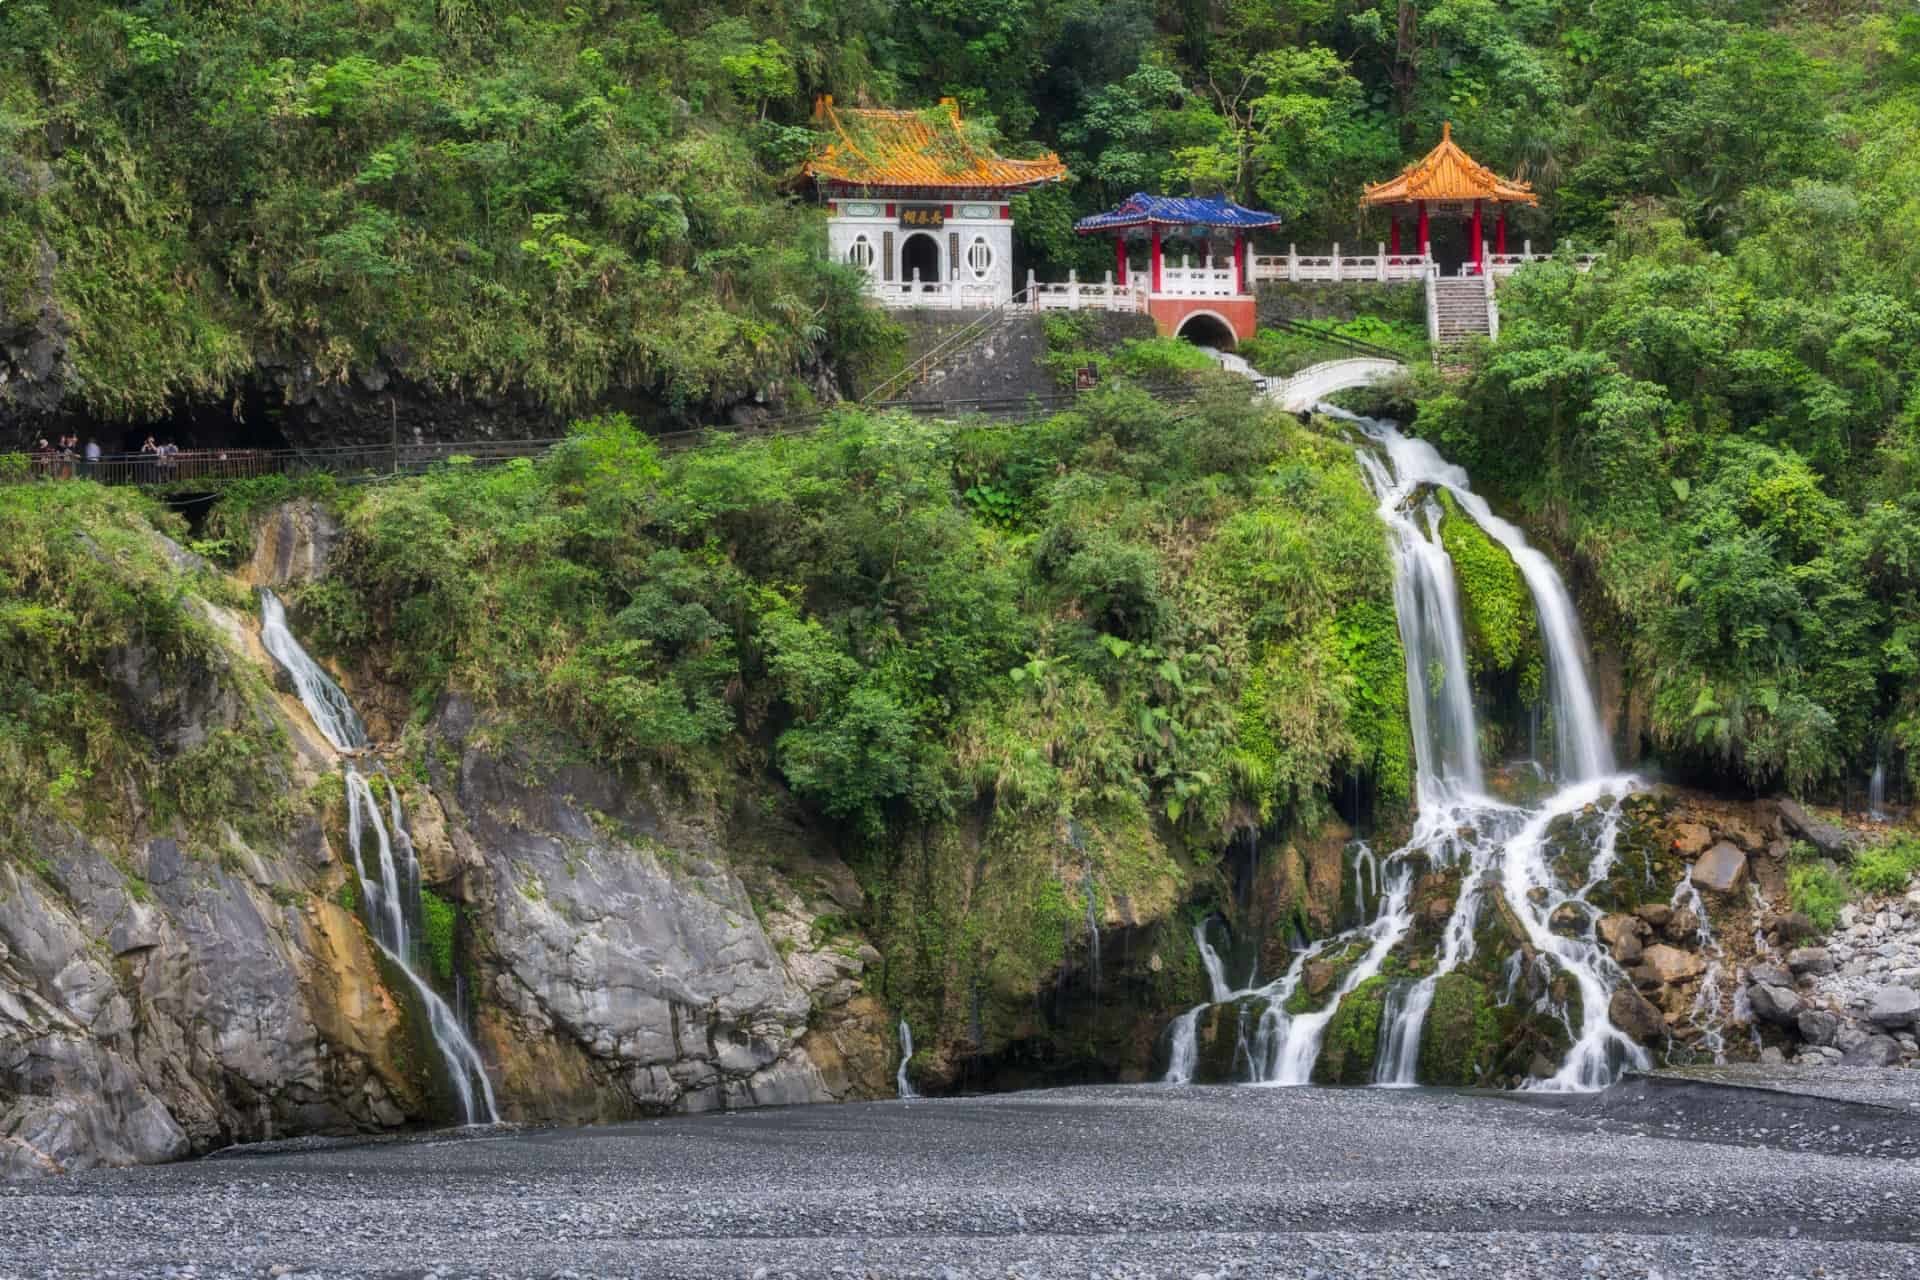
x=1076, y=295
x=1205, y=280
x=940, y=295
x=1340, y=267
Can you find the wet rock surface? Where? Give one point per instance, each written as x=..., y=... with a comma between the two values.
x=1644, y=1180
x=162, y=995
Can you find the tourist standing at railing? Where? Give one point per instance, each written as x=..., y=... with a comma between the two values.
x=150, y=460
x=93, y=458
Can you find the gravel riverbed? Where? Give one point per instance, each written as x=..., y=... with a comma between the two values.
x=1656, y=1178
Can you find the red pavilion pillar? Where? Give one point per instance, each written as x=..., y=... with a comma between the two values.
x=1240, y=260
x=1426, y=240
x=1156, y=257
x=1120, y=258
x=1500, y=232
x=1478, y=266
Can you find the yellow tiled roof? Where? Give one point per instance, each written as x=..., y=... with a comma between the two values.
x=1448, y=173
x=870, y=147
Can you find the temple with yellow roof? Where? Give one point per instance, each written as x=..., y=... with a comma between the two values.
x=923, y=205
x=919, y=204
x=1449, y=182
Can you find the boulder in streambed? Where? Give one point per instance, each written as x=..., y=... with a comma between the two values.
x=1824, y=836
x=1874, y=1051
x=1633, y=1014
x=1894, y=1006
x=1817, y=1026
x=1805, y=961
x=1667, y=964
x=1721, y=869
x=1778, y=1005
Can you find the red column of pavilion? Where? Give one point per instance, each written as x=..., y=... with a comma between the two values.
x=1478, y=266
x=1156, y=257
x=1120, y=258
x=1426, y=240
x=1500, y=232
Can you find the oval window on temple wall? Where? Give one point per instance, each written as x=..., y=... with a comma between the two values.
x=860, y=253
x=980, y=257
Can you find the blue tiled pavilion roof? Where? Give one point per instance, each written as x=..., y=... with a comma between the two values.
x=1141, y=210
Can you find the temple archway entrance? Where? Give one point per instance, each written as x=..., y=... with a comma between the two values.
x=1204, y=329
x=920, y=252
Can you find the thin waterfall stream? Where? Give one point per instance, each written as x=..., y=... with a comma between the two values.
x=1496, y=848
x=387, y=870
x=903, y=1086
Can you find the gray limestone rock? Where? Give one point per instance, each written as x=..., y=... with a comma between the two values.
x=1778, y=1005
x=1816, y=1026
x=1894, y=1006
x=292, y=544
x=631, y=939
x=1810, y=960
x=1824, y=836
x=1874, y=1051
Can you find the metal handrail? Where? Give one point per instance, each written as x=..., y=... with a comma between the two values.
x=381, y=461
x=921, y=366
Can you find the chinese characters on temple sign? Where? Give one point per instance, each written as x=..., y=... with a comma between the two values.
x=929, y=215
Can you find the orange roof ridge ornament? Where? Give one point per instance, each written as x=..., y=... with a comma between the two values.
x=881, y=147
x=1448, y=173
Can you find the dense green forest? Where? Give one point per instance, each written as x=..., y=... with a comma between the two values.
x=575, y=202
x=568, y=201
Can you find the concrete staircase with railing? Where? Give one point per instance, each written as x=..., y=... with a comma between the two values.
x=1459, y=308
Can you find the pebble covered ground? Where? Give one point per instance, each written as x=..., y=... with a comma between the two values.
x=1657, y=1179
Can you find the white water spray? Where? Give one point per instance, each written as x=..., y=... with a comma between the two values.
x=1183, y=1046
x=1583, y=749
x=1495, y=847
x=324, y=700
x=388, y=873
x=1216, y=969
x=901, y=1085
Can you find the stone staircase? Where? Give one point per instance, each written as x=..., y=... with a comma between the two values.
x=1458, y=308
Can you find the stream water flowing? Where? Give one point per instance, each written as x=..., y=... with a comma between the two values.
x=387, y=870
x=1493, y=847
x=903, y=1086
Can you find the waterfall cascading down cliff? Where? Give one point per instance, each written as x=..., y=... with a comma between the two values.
x=389, y=873
x=325, y=701
x=1495, y=847
x=903, y=1086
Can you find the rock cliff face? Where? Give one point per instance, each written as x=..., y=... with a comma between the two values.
x=624, y=965
x=156, y=1001
x=164, y=994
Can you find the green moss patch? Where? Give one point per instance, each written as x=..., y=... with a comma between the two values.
x=1502, y=632
x=438, y=918
x=1353, y=1035
x=1462, y=1037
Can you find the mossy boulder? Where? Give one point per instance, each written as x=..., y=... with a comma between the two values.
x=1352, y=1036
x=1462, y=1038
x=1222, y=1030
